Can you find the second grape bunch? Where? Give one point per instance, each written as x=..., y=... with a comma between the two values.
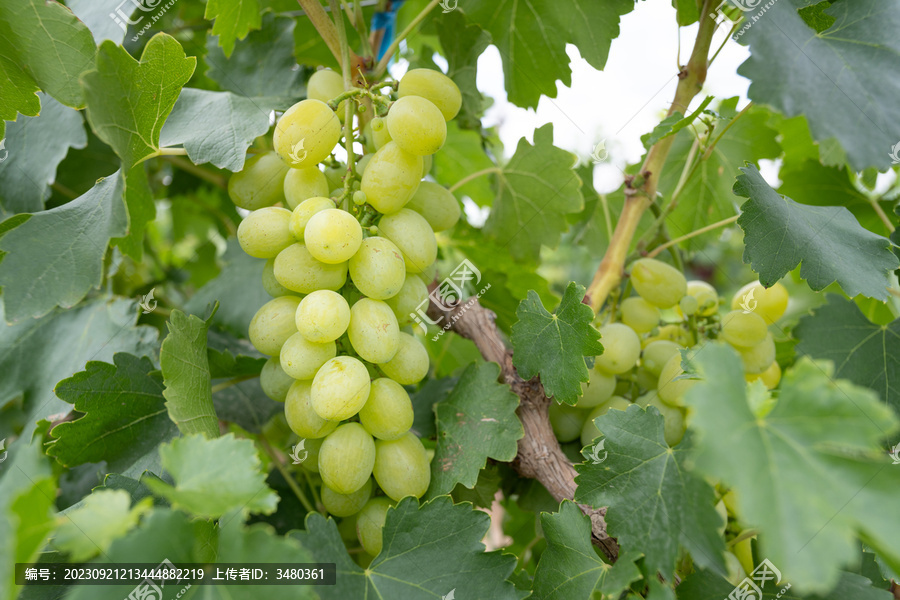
x=349, y=255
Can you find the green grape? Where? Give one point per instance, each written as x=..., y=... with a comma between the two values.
x=407, y=301
x=370, y=523
x=347, y=529
x=410, y=364
x=297, y=270
x=590, y=432
x=646, y=398
x=567, y=421
x=770, y=377
x=391, y=178
x=335, y=177
x=401, y=467
x=688, y=306
x=346, y=458
x=672, y=333
x=644, y=379
x=265, y=233
x=380, y=134
x=434, y=202
x=672, y=390
x=306, y=134
x=435, y=86
x=743, y=329
x=388, y=413
x=656, y=354
x=359, y=198
x=301, y=417
x=639, y=314
x=770, y=304
x=598, y=390
x=361, y=165
x=417, y=126
x=735, y=572
x=270, y=284
x=723, y=514
x=743, y=550
x=260, y=183
x=706, y=296
x=373, y=331
x=429, y=274
x=301, y=358
x=413, y=235
x=340, y=388
x=325, y=85
x=674, y=420
x=377, y=269
x=621, y=348
x=760, y=357
x=274, y=381
x=305, y=211
x=273, y=323
x=302, y=184
x=658, y=283
x=427, y=163
x=312, y=446
x=323, y=316
x=344, y=505
x=332, y=236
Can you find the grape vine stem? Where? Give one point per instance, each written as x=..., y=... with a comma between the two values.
x=640, y=191
x=694, y=233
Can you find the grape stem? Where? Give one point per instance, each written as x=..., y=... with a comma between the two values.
x=324, y=26
x=381, y=67
x=640, y=191
x=655, y=252
x=474, y=175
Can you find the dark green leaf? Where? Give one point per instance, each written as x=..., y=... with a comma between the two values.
x=233, y=20
x=424, y=401
x=704, y=585
x=141, y=210
x=655, y=503
x=554, y=345
x=463, y=43
x=482, y=495
x=780, y=234
x=477, y=421
x=461, y=156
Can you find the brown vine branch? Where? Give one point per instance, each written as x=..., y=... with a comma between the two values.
x=539, y=456
x=640, y=191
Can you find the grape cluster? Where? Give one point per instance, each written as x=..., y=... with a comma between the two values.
x=642, y=361
x=349, y=252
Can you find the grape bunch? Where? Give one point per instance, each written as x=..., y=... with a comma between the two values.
x=644, y=337
x=349, y=250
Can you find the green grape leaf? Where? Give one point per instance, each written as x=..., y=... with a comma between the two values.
x=214, y=476
x=243, y=403
x=55, y=257
x=554, y=345
x=233, y=20
x=687, y=11
x=103, y=516
x=463, y=43
x=26, y=507
x=185, y=369
x=477, y=421
x=483, y=493
x=42, y=46
x=570, y=567
x=238, y=301
x=428, y=551
x=262, y=65
x=461, y=156
x=120, y=107
x=535, y=192
x=124, y=420
x=655, y=503
x=532, y=40
x=36, y=146
x=141, y=210
x=704, y=585
x=36, y=354
x=217, y=127
x=424, y=401
x=136, y=488
x=810, y=475
x=863, y=352
x=780, y=234
x=707, y=196
x=673, y=124
x=842, y=79
x=96, y=15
